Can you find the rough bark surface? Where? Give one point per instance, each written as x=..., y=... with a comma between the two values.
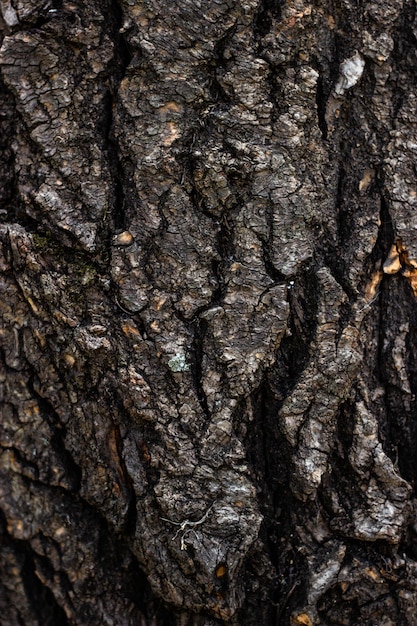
x=208, y=345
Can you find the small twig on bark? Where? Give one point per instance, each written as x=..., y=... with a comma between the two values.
x=368, y=304
x=187, y=525
x=122, y=308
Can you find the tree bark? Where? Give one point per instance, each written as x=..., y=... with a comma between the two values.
x=208, y=257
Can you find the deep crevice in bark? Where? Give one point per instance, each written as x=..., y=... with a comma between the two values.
x=7, y=132
x=338, y=269
x=400, y=403
x=73, y=471
x=403, y=56
x=217, y=92
x=267, y=246
x=321, y=102
x=386, y=233
x=40, y=598
x=341, y=211
x=116, y=169
x=119, y=65
x=294, y=351
x=268, y=11
x=345, y=426
x=200, y=328
x=270, y=457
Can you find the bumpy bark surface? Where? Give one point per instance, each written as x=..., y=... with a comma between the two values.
x=208, y=255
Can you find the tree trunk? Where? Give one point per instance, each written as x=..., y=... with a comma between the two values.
x=209, y=328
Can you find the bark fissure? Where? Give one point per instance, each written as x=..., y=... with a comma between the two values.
x=321, y=100
x=57, y=438
x=268, y=11
x=42, y=600
x=121, y=61
x=7, y=131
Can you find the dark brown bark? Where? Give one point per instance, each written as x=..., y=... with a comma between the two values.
x=208, y=257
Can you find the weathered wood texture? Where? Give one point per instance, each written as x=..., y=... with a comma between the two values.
x=208, y=342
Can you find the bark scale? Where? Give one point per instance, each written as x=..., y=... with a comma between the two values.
x=208, y=340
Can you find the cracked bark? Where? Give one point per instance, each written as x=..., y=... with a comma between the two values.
x=209, y=331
